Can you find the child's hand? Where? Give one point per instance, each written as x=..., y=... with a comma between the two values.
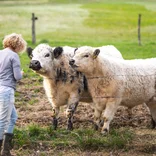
x=22, y=71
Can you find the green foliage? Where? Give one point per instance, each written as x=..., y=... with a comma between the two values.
x=83, y=139
x=37, y=133
x=17, y=94
x=133, y=51
x=33, y=101
x=95, y=23
x=21, y=137
x=120, y=21
x=88, y=139
x=108, y=16
x=32, y=133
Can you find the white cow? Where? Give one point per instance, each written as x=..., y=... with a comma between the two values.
x=113, y=82
x=62, y=84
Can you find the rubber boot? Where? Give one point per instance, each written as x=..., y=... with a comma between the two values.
x=6, y=146
x=0, y=146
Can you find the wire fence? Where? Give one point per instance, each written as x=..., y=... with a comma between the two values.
x=128, y=85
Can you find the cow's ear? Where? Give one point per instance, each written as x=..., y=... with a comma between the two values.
x=57, y=52
x=96, y=53
x=75, y=50
x=29, y=52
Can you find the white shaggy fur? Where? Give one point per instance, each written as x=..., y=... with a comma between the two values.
x=60, y=89
x=66, y=87
x=113, y=82
x=109, y=50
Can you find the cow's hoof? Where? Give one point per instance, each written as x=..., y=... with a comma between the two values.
x=101, y=123
x=55, y=123
x=153, y=124
x=104, y=131
x=70, y=126
x=96, y=127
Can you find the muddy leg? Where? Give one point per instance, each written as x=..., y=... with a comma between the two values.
x=55, y=123
x=153, y=124
x=55, y=112
x=97, y=120
x=152, y=108
x=69, y=113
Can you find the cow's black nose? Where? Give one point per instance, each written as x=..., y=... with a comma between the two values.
x=35, y=65
x=71, y=62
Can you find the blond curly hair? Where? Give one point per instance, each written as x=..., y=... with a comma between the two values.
x=15, y=42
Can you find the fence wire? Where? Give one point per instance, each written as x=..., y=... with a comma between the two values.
x=67, y=81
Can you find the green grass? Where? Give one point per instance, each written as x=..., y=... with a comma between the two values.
x=83, y=23
x=121, y=17
x=86, y=139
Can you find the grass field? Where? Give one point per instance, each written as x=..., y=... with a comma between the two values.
x=77, y=23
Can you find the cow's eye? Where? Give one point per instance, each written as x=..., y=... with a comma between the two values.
x=86, y=55
x=47, y=55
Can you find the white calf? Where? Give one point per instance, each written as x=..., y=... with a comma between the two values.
x=113, y=82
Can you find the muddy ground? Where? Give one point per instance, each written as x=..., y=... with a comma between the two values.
x=33, y=107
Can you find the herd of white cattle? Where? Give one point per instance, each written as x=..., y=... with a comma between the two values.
x=96, y=75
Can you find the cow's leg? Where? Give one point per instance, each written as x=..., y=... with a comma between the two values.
x=152, y=108
x=98, y=109
x=72, y=105
x=70, y=112
x=153, y=123
x=55, y=112
x=111, y=108
x=97, y=118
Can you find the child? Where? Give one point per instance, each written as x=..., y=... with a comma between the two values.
x=10, y=73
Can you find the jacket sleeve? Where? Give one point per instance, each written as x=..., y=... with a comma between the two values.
x=16, y=68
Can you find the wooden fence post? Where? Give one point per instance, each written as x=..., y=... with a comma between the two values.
x=33, y=28
x=139, y=27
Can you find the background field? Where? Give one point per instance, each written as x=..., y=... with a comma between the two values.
x=76, y=23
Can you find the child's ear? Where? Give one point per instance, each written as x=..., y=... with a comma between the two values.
x=57, y=52
x=96, y=53
x=29, y=52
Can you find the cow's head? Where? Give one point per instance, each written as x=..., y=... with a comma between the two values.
x=62, y=56
x=41, y=58
x=84, y=59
